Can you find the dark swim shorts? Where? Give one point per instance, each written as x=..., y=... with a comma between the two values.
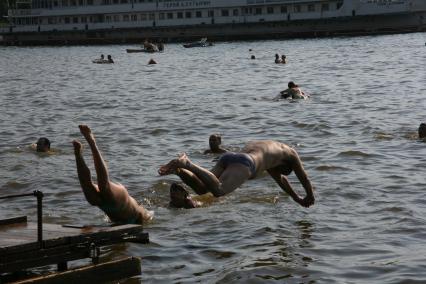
x=238, y=158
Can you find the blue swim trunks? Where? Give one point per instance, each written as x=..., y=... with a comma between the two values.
x=238, y=158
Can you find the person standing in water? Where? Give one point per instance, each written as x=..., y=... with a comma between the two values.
x=110, y=197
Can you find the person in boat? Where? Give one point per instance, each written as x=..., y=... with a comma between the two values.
x=160, y=46
x=110, y=197
x=277, y=58
x=215, y=140
x=42, y=145
x=148, y=46
x=233, y=169
x=283, y=59
x=110, y=59
x=422, y=131
x=293, y=91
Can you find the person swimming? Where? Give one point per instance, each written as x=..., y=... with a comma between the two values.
x=110, y=59
x=293, y=91
x=42, y=145
x=277, y=58
x=422, y=131
x=215, y=140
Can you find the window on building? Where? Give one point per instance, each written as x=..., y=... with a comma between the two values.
x=180, y=15
x=169, y=15
x=210, y=13
x=270, y=10
x=123, y=1
x=188, y=14
x=143, y=17
x=115, y=1
x=339, y=5
x=116, y=18
x=125, y=18
x=161, y=16
x=325, y=7
x=283, y=9
x=297, y=8
x=90, y=2
x=65, y=3
x=311, y=7
x=224, y=13
x=152, y=17
x=75, y=20
x=198, y=14
x=258, y=11
x=235, y=12
x=134, y=17
x=67, y=20
x=80, y=2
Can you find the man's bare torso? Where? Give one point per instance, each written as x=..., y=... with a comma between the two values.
x=268, y=154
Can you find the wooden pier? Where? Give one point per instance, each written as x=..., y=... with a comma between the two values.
x=25, y=245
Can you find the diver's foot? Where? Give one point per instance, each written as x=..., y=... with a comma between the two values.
x=78, y=147
x=87, y=132
x=173, y=165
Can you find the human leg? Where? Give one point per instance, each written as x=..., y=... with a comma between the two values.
x=100, y=166
x=230, y=178
x=90, y=190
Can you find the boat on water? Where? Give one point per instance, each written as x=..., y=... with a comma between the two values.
x=121, y=21
x=201, y=43
x=137, y=50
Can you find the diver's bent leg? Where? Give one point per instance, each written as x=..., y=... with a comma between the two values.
x=192, y=180
x=211, y=182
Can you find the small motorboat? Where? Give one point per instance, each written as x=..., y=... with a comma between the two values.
x=135, y=50
x=201, y=43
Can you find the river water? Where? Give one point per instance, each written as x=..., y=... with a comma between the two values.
x=356, y=136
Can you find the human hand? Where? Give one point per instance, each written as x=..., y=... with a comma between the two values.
x=307, y=201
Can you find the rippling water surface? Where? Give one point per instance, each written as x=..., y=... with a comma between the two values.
x=356, y=138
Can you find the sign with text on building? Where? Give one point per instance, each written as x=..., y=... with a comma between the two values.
x=186, y=4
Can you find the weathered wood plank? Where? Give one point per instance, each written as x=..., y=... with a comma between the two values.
x=15, y=220
x=100, y=273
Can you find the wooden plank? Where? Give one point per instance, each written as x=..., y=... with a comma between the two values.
x=19, y=250
x=100, y=273
x=15, y=220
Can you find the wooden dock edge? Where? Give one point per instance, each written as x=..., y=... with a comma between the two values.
x=95, y=273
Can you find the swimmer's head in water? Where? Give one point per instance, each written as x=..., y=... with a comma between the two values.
x=253, y=57
x=214, y=141
x=422, y=130
x=43, y=145
x=179, y=197
x=291, y=84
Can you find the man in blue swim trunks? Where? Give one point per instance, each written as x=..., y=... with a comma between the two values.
x=233, y=169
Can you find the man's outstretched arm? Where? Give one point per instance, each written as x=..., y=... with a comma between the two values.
x=304, y=180
x=283, y=182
